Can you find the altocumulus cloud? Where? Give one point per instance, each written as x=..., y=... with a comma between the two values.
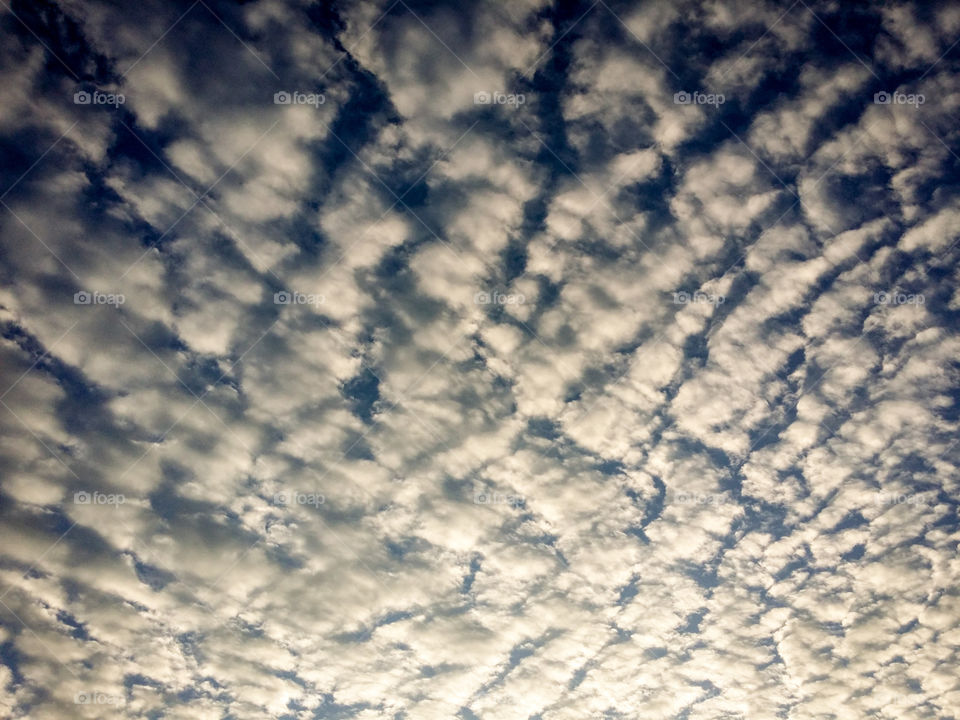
x=485, y=360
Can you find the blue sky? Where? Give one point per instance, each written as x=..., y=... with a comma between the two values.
x=479, y=360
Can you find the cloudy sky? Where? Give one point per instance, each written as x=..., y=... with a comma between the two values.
x=415, y=359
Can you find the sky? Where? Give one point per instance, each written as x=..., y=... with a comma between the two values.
x=422, y=360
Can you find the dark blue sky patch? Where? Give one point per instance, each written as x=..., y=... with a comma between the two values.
x=404, y=550
x=10, y=657
x=393, y=270
x=141, y=151
x=19, y=151
x=475, y=564
x=83, y=410
x=855, y=553
x=355, y=447
x=206, y=523
x=363, y=392
x=692, y=622
x=157, y=578
x=652, y=196
x=326, y=20
x=845, y=31
x=283, y=557
x=655, y=653
x=543, y=427
x=514, y=259
x=550, y=79
x=407, y=181
x=356, y=123
x=629, y=591
x=191, y=643
x=86, y=546
x=791, y=567
x=132, y=680
x=859, y=199
x=66, y=48
x=202, y=375
x=763, y=516
x=77, y=629
x=354, y=636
